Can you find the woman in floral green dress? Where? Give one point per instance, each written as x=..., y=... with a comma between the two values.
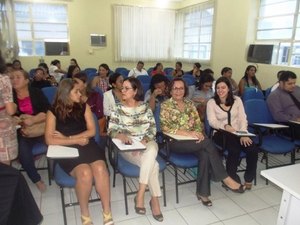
x=179, y=116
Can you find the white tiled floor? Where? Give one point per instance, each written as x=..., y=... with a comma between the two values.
x=258, y=206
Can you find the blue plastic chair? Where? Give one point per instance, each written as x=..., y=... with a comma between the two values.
x=144, y=79
x=270, y=142
x=252, y=93
x=90, y=70
x=50, y=93
x=180, y=162
x=123, y=71
x=168, y=70
x=149, y=71
x=64, y=180
x=189, y=79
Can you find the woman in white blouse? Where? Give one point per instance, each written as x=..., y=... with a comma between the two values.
x=114, y=95
x=226, y=111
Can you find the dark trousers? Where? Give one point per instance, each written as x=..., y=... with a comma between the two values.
x=234, y=148
x=26, y=157
x=17, y=206
x=210, y=163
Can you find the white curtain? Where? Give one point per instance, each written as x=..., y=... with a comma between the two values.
x=8, y=36
x=143, y=33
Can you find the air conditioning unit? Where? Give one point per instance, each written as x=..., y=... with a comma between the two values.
x=98, y=40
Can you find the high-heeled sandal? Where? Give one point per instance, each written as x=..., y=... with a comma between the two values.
x=207, y=203
x=248, y=185
x=158, y=217
x=240, y=190
x=107, y=219
x=139, y=210
x=86, y=220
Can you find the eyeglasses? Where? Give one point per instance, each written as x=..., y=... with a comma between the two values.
x=126, y=88
x=178, y=89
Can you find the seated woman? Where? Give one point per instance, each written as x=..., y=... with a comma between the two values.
x=134, y=119
x=92, y=98
x=101, y=81
x=227, y=72
x=203, y=94
x=226, y=111
x=182, y=110
x=158, y=91
x=72, y=70
x=71, y=123
x=178, y=72
x=50, y=78
x=32, y=106
x=114, y=95
x=158, y=69
x=249, y=80
x=8, y=134
x=39, y=79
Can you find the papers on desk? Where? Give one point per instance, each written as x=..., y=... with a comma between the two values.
x=60, y=152
x=136, y=145
x=271, y=125
x=243, y=134
x=180, y=137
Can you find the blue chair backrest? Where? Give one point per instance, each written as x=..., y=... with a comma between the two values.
x=190, y=80
x=97, y=135
x=144, y=78
x=123, y=71
x=97, y=89
x=156, y=114
x=50, y=93
x=170, y=77
x=168, y=70
x=90, y=71
x=252, y=93
x=149, y=71
x=267, y=92
x=31, y=73
x=257, y=111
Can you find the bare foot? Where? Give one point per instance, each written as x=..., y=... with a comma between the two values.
x=41, y=186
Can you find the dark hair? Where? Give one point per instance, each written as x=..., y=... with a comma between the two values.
x=286, y=75
x=230, y=99
x=63, y=105
x=39, y=68
x=198, y=65
x=17, y=61
x=105, y=66
x=84, y=78
x=45, y=66
x=71, y=69
x=179, y=63
x=136, y=85
x=158, y=78
x=245, y=77
x=186, y=88
x=208, y=71
x=113, y=78
x=140, y=62
x=2, y=64
x=205, y=78
x=157, y=65
x=279, y=73
x=55, y=62
x=74, y=60
x=225, y=70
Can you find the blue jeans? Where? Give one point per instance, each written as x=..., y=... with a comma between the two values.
x=26, y=157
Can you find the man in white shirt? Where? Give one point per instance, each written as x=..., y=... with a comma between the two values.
x=138, y=71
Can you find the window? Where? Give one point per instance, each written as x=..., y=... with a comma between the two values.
x=37, y=23
x=161, y=35
x=279, y=24
x=194, y=29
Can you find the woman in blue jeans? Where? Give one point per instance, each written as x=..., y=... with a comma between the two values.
x=32, y=106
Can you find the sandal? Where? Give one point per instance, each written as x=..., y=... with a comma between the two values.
x=248, y=186
x=207, y=203
x=86, y=220
x=139, y=210
x=240, y=190
x=107, y=219
x=158, y=217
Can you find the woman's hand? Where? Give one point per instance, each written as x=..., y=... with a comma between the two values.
x=197, y=135
x=229, y=128
x=124, y=138
x=156, y=92
x=83, y=141
x=245, y=141
x=26, y=120
x=57, y=134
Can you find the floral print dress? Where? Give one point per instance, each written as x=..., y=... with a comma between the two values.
x=8, y=135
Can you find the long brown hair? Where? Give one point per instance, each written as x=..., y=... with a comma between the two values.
x=63, y=106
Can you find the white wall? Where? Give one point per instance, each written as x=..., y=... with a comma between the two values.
x=234, y=30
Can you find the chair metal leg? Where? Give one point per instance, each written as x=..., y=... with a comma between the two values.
x=49, y=171
x=125, y=195
x=267, y=166
x=164, y=188
x=176, y=185
x=62, y=195
x=114, y=178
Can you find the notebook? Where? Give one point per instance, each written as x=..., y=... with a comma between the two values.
x=59, y=151
x=135, y=146
x=180, y=137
